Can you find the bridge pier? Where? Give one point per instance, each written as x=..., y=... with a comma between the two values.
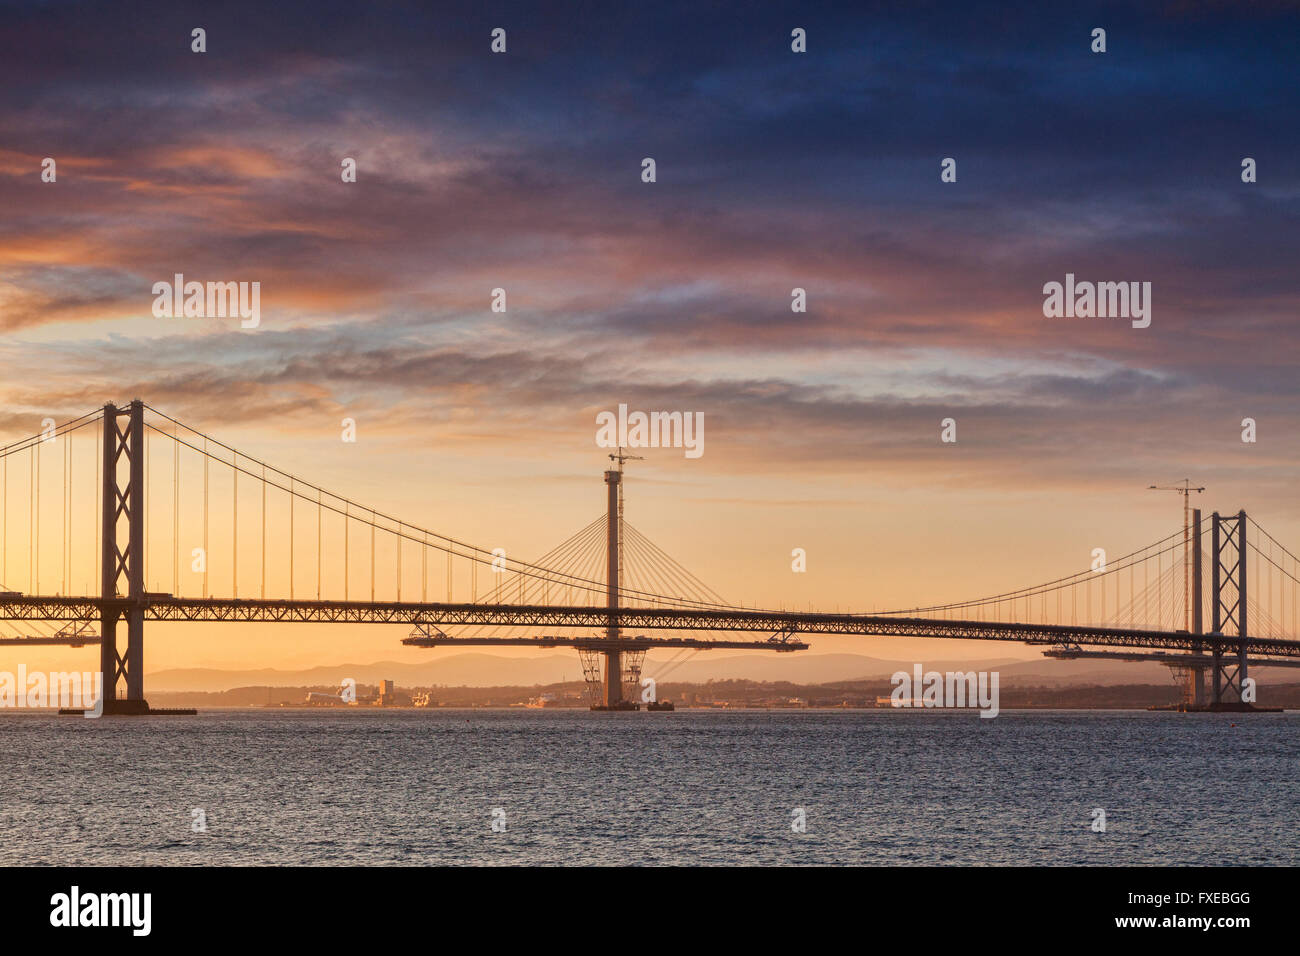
x=1199, y=691
x=122, y=569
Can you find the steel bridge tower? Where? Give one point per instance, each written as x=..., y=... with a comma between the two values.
x=1229, y=586
x=122, y=565
x=1229, y=597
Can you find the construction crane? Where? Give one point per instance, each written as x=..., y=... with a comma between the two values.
x=621, y=457
x=1185, y=489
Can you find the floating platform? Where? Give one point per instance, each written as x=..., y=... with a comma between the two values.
x=1224, y=708
x=633, y=705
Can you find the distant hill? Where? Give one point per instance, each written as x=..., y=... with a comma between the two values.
x=490, y=670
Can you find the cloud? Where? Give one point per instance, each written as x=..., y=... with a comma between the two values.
x=775, y=171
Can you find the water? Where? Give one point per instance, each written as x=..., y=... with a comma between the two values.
x=419, y=787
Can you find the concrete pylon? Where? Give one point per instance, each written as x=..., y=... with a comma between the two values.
x=613, y=656
x=1196, y=675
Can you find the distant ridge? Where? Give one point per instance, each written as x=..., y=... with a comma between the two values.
x=490, y=670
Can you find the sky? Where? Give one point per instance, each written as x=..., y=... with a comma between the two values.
x=774, y=170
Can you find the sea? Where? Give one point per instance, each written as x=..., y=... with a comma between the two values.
x=691, y=787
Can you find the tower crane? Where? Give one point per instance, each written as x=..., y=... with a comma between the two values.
x=621, y=457
x=1185, y=489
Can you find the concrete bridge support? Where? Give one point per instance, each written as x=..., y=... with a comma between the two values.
x=1197, y=694
x=613, y=656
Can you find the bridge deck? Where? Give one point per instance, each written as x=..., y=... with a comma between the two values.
x=639, y=643
x=162, y=607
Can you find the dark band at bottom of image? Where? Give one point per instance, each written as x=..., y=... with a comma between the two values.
x=182, y=904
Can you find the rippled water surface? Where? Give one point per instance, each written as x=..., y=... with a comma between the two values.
x=420, y=787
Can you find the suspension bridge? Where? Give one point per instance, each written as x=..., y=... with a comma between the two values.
x=140, y=483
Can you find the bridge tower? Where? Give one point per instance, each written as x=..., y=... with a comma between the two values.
x=1229, y=603
x=1196, y=695
x=621, y=666
x=1191, y=672
x=613, y=658
x=122, y=565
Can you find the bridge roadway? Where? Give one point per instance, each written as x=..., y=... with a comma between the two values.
x=783, y=625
